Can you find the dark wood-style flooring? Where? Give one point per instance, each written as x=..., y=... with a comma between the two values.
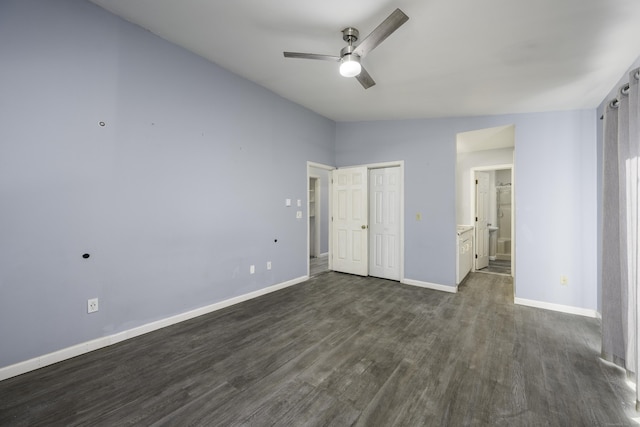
x=342, y=350
x=318, y=265
x=498, y=266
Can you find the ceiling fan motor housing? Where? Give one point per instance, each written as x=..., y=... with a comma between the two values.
x=347, y=50
x=350, y=35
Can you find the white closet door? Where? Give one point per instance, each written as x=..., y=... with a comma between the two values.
x=384, y=223
x=350, y=221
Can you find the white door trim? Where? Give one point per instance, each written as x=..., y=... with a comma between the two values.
x=320, y=166
x=397, y=163
x=317, y=212
x=472, y=204
x=327, y=168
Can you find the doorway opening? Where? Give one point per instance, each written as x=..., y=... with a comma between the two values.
x=318, y=201
x=485, y=197
x=494, y=219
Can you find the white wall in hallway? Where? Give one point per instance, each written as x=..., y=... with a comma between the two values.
x=464, y=163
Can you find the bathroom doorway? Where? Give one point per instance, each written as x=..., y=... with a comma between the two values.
x=493, y=226
x=486, y=155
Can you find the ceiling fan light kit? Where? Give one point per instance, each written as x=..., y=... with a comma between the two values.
x=350, y=66
x=349, y=62
x=351, y=55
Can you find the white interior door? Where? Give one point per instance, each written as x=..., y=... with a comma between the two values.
x=482, y=216
x=384, y=223
x=350, y=221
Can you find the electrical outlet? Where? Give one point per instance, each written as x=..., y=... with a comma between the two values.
x=252, y=269
x=268, y=265
x=92, y=305
x=564, y=280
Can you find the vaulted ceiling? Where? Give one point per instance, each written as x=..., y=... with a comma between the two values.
x=452, y=58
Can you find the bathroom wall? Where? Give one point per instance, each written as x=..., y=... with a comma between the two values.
x=504, y=222
x=493, y=203
x=503, y=177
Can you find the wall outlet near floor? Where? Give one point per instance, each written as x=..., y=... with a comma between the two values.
x=92, y=305
x=564, y=280
x=252, y=269
x=268, y=265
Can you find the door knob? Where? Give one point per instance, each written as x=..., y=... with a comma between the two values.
x=364, y=227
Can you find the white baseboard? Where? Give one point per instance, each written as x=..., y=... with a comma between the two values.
x=427, y=285
x=86, y=347
x=323, y=255
x=557, y=307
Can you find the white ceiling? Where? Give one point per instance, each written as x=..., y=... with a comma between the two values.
x=452, y=58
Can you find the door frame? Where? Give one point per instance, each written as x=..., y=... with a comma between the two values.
x=380, y=165
x=472, y=204
x=309, y=175
x=317, y=214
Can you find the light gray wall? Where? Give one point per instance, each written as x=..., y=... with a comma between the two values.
x=555, y=179
x=174, y=198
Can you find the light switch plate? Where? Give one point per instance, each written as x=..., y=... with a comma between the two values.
x=299, y=214
x=287, y=202
x=299, y=202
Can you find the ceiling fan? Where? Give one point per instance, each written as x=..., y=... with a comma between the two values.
x=350, y=55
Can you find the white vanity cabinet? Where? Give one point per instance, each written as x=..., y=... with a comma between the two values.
x=464, y=261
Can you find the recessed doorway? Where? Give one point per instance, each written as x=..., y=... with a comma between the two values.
x=485, y=197
x=318, y=200
x=493, y=219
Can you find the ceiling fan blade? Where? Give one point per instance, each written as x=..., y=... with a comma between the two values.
x=311, y=56
x=365, y=79
x=382, y=31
